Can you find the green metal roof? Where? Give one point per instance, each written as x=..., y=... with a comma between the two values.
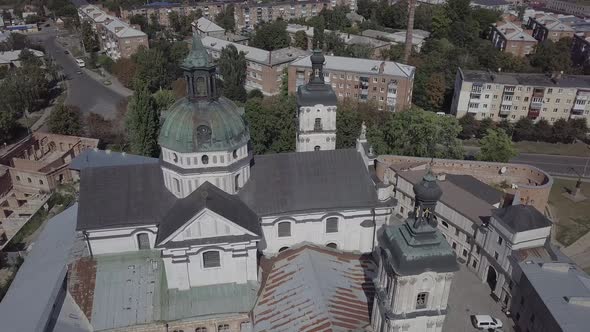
x=197, y=57
x=222, y=119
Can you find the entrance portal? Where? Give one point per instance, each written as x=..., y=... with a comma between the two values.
x=492, y=278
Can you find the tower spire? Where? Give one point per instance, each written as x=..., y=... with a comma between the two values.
x=199, y=73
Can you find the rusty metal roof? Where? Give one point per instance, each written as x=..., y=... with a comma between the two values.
x=311, y=288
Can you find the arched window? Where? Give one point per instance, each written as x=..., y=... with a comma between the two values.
x=284, y=229
x=174, y=157
x=223, y=328
x=316, y=148
x=211, y=259
x=201, y=329
x=421, y=300
x=205, y=159
x=201, y=87
x=17, y=178
x=283, y=249
x=143, y=241
x=235, y=154
x=29, y=180
x=332, y=245
x=177, y=185
x=41, y=182
x=332, y=225
x=317, y=126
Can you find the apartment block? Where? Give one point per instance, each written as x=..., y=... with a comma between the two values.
x=549, y=27
x=511, y=38
x=387, y=83
x=250, y=13
x=265, y=69
x=161, y=10
x=573, y=7
x=514, y=96
x=116, y=38
x=581, y=50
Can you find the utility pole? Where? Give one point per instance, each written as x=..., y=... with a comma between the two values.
x=410, y=30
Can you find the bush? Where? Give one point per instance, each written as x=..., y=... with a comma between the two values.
x=255, y=94
x=105, y=62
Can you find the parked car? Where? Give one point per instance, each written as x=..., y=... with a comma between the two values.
x=80, y=63
x=486, y=322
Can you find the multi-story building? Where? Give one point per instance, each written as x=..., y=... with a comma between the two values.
x=581, y=50
x=510, y=38
x=250, y=13
x=573, y=7
x=514, y=96
x=551, y=295
x=265, y=68
x=549, y=27
x=116, y=38
x=389, y=84
x=161, y=10
x=489, y=230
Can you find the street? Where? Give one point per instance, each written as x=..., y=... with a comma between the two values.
x=556, y=165
x=83, y=91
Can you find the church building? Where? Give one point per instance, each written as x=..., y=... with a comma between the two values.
x=207, y=214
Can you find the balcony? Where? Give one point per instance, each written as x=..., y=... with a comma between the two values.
x=533, y=114
x=579, y=106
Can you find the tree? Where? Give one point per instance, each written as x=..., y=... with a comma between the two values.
x=300, y=40
x=226, y=19
x=124, y=69
x=484, y=126
x=348, y=124
x=496, y=146
x=272, y=124
x=543, y=131
x=89, y=39
x=507, y=126
x=164, y=99
x=256, y=93
x=8, y=125
x=151, y=68
x=524, y=130
x=469, y=126
x=563, y=132
x=143, y=122
x=319, y=26
x=271, y=36
x=435, y=91
x=553, y=57
x=65, y=120
x=417, y=133
x=232, y=66
x=96, y=126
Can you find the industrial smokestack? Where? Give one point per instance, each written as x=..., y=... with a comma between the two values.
x=410, y=30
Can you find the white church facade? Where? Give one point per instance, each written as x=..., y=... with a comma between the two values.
x=213, y=211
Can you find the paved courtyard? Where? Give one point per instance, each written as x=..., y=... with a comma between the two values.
x=469, y=296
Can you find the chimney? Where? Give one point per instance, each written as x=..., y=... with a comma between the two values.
x=382, y=67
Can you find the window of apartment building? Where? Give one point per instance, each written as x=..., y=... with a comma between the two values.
x=526, y=99
x=341, y=76
x=485, y=105
x=374, y=98
x=500, y=240
x=421, y=300
x=496, y=255
x=341, y=85
x=348, y=94
x=456, y=231
x=454, y=245
x=569, y=101
x=382, y=90
x=555, y=110
x=528, y=89
x=513, y=116
x=560, y=91
x=550, y=90
x=464, y=253
x=477, y=250
x=557, y=100
x=517, y=98
x=552, y=119
x=548, y=100
x=348, y=86
x=473, y=105
x=487, y=97
x=383, y=80
x=211, y=259
x=374, y=88
x=381, y=98
x=544, y=109
x=495, y=96
x=374, y=79
x=489, y=86
x=444, y=223
x=349, y=77
x=474, y=264
x=565, y=110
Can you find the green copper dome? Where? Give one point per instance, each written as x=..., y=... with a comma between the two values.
x=197, y=57
x=203, y=126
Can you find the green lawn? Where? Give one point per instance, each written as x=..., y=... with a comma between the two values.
x=577, y=149
x=574, y=218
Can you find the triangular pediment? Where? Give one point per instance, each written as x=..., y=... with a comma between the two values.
x=207, y=224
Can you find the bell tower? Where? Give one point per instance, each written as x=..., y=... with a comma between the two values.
x=199, y=74
x=316, y=110
x=416, y=267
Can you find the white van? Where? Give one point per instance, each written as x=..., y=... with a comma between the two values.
x=80, y=63
x=484, y=322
